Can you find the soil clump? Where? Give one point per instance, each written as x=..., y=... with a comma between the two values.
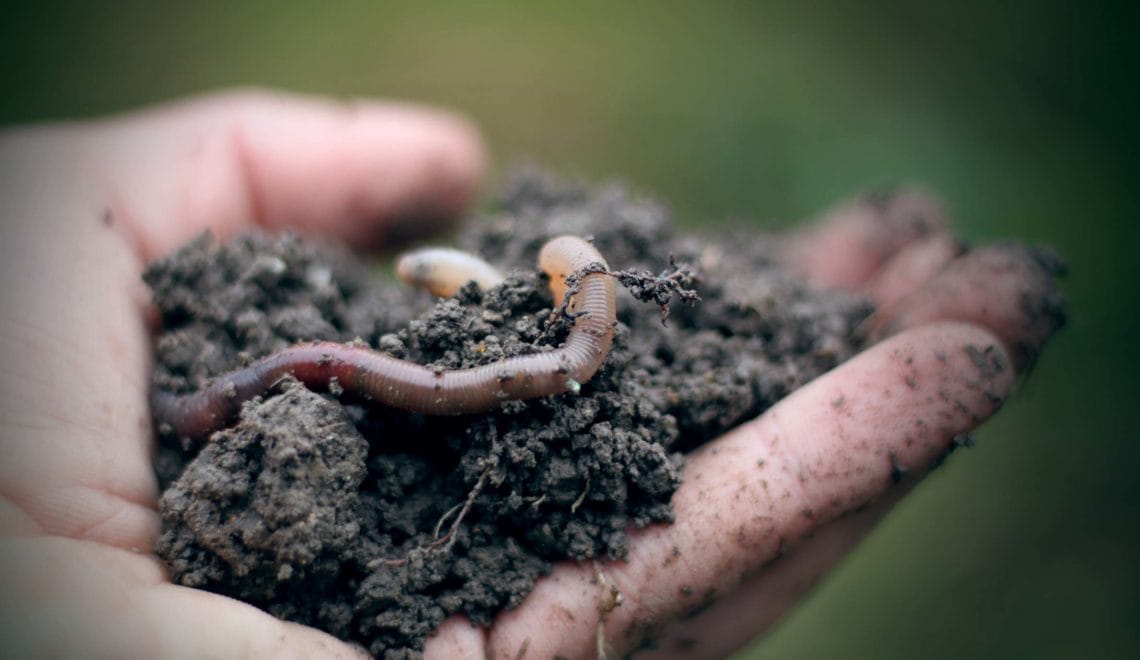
x=376, y=524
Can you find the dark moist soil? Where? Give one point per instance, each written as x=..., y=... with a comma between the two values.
x=376, y=524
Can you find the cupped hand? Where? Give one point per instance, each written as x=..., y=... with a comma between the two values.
x=84, y=206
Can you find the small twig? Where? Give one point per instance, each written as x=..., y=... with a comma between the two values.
x=608, y=600
x=581, y=498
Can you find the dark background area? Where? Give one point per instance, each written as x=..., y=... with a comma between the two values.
x=1019, y=114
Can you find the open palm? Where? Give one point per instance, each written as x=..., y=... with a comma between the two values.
x=83, y=207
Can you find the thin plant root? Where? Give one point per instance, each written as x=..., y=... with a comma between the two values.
x=609, y=599
x=447, y=541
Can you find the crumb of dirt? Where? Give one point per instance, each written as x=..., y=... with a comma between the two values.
x=376, y=524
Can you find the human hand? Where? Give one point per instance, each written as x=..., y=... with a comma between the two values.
x=85, y=206
x=764, y=511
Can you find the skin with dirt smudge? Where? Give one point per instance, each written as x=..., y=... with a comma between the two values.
x=78, y=496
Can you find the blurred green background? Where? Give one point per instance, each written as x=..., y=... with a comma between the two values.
x=1017, y=112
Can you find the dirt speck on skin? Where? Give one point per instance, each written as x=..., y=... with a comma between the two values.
x=376, y=524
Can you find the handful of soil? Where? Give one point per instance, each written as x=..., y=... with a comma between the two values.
x=376, y=524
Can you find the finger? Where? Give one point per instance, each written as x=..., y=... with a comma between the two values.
x=456, y=639
x=1009, y=289
x=67, y=598
x=911, y=268
x=367, y=172
x=760, y=600
x=829, y=449
x=1015, y=280
x=849, y=244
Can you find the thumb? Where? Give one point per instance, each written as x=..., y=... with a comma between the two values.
x=69, y=598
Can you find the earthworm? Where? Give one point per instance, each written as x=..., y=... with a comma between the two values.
x=444, y=270
x=363, y=372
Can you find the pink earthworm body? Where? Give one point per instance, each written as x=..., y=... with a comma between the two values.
x=400, y=384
